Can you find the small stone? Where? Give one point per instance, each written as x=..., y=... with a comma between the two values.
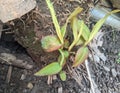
x=30, y=85
x=114, y=73
x=106, y=68
x=96, y=58
x=60, y=90
x=23, y=76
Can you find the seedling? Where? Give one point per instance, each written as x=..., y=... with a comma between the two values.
x=82, y=37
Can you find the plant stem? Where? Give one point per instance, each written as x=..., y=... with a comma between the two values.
x=72, y=45
x=62, y=58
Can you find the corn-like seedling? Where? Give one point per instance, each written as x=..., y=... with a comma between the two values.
x=81, y=34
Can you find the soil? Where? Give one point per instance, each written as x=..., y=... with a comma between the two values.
x=107, y=74
x=28, y=31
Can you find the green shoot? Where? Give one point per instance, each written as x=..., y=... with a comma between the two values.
x=82, y=36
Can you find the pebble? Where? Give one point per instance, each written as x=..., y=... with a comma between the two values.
x=114, y=73
x=30, y=85
x=23, y=76
x=106, y=68
x=60, y=90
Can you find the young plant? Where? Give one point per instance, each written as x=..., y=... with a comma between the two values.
x=82, y=37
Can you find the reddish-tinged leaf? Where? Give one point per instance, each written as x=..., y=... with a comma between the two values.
x=50, y=69
x=50, y=43
x=81, y=55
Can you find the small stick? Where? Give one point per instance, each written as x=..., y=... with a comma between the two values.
x=8, y=77
x=89, y=76
x=49, y=80
x=10, y=59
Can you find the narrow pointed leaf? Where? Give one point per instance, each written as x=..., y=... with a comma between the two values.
x=72, y=15
x=75, y=13
x=62, y=75
x=74, y=27
x=55, y=21
x=50, y=43
x=86, y=31
x=99, y=24
x=79, y=30
x=81, y=55
x=63, y=30
x=50, y=69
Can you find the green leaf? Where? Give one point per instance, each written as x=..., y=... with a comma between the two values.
x=86, y=31
x=55, y=21
x=79, y=32
x=81, y=41
x=74, y=27
x=66, y=54
x=99, y=24
x=63, y=56
x=62, y=63
x=63, y=30
x=62, y=59
x=62, y=75
x=50, y=43
x=74, y=13
x=50, y=69
x=80, y=56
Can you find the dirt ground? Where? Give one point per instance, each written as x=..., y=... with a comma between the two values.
x=37, y=24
